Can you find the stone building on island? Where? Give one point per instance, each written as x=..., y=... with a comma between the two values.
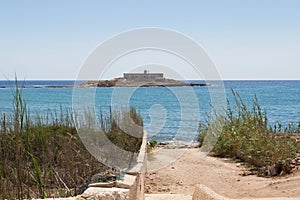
x=145, y=77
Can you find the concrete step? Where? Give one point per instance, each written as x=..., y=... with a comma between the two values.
x=167, y=197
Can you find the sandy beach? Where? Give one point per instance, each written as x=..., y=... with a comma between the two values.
x=224, y=176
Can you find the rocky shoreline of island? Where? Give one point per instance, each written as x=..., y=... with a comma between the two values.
x=121, y=82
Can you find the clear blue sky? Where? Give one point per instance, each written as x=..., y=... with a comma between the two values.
x=249, y=39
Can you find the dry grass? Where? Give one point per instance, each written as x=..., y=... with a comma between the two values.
x=248, y=137
x=43, y=156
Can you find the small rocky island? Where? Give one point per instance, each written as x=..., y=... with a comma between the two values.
x=145, y=79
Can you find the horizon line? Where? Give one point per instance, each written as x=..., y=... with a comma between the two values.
x=176, y=79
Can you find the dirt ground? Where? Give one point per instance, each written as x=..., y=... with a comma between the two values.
x=224, y=176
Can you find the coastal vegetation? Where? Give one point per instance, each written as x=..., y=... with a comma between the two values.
x=152, y=143
x=247, y=136
x=42, y=155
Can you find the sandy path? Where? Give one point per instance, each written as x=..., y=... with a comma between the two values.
x=221, y=175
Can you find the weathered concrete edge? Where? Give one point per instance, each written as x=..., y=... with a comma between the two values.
x=137, y=191
x=202, y=192
x=133, y=184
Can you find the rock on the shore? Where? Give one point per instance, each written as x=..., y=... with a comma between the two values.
x=97, y=193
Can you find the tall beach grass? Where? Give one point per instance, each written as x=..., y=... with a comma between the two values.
x=247, y=136
x=42, y=155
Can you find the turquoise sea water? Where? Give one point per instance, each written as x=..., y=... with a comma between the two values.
x=164, y=110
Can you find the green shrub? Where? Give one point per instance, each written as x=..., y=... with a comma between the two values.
x=152, y=143
x=246, y=136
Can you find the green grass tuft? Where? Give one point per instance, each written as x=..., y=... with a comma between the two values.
x=247, y=136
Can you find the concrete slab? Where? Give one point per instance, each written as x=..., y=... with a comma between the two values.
x=167, y=197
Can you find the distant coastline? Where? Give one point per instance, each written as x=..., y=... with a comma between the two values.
x=76, y=83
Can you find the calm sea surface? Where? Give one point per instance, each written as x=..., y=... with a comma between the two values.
x=167, y=112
